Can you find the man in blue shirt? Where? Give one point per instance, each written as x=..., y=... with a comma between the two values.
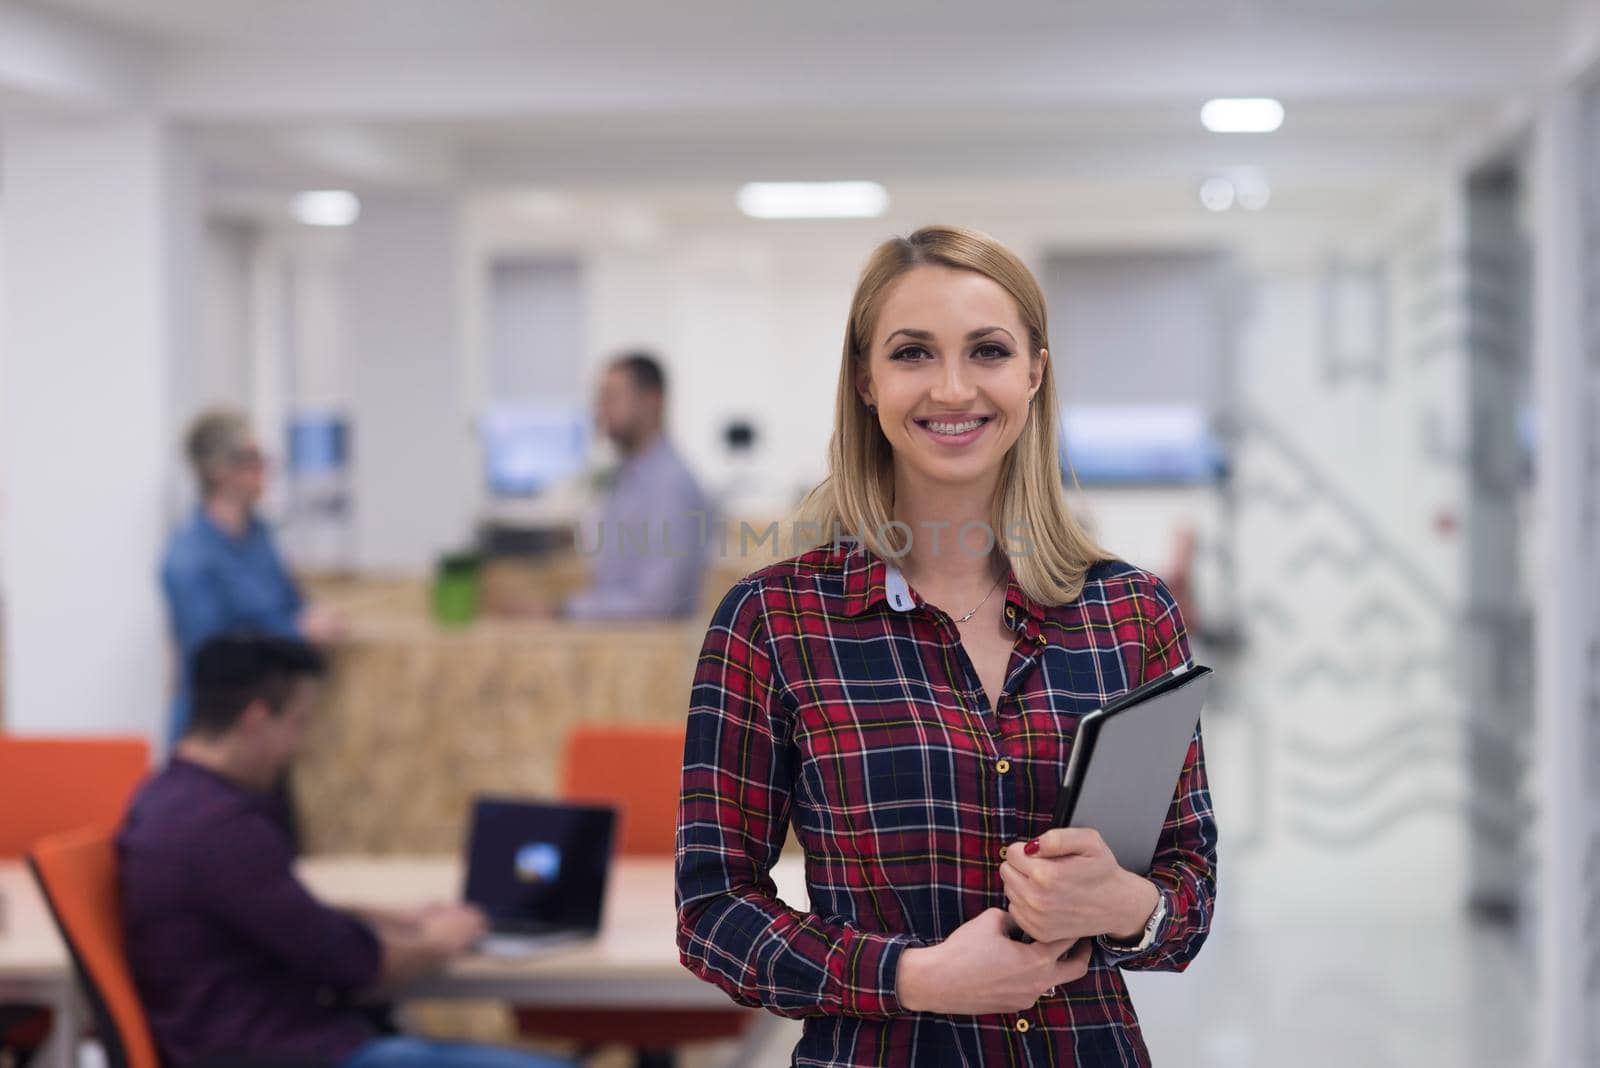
x=221, y=572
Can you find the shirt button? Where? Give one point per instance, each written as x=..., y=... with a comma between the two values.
x=1022, y=1026
x=1002, y=852
x=1011, y=613
x=1002, y=765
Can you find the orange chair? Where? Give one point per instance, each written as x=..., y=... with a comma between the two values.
x=49, y=785
x=57, y=784
x=638, y=769
x=77, y=873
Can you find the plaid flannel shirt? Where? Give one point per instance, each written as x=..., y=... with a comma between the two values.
x=828, y=695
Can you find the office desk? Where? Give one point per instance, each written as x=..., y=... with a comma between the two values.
x=633, y=963
x=34, y=964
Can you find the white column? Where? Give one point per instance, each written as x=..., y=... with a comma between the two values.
x=1566, y=624
x=416, y=477
x=100, y=232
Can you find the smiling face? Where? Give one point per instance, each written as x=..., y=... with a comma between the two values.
x=951, y=372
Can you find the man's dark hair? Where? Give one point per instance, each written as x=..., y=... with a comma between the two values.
x=645, y=370
x=234, y=670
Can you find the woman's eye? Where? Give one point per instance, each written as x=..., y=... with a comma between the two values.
x=991, y=352
x=910, y=352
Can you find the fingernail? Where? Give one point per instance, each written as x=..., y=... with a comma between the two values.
x=1031, y=848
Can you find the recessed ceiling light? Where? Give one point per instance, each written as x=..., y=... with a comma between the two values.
x=1250, y=183
x=326, y=207
x=1242, y=115
x=1243, y=186
x=1218, y=194
x=813, y=200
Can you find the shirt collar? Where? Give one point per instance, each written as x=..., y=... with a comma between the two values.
x=865, y=577
x=203, y=518
x=655, y=452
x=869, y=580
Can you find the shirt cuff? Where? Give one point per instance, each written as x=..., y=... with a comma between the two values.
x=1115, y=952
x=872, y=969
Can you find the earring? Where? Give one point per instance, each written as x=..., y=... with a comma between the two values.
x=872, y=409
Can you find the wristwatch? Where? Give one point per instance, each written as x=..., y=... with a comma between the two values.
x=1150, y=927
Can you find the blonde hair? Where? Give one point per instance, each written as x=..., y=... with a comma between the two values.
x=857, y=497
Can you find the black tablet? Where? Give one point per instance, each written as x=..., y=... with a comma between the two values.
x=1125, y=763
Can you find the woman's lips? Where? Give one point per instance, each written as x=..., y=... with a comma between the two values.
x=955, y=431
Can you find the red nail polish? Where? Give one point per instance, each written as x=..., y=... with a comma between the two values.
x=1031, y=848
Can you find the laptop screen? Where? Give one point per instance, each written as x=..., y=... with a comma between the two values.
x=539, y=863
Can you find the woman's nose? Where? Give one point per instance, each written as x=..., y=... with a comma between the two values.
x=954, y=385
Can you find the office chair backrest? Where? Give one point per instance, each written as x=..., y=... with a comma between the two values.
x=77, y=871
x=50, y=785
x=638, y=768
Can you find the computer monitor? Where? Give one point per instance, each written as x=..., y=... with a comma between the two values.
x=527, y=448
x=319, y=443
x=1140, y=445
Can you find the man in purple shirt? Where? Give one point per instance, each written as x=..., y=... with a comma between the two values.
x=232, y=956
x=647, y=554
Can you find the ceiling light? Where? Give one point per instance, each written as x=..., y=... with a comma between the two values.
x=1217, y=194
x=1242, y=115
x=813, y=200
x=1250, y=183
x=326, y=207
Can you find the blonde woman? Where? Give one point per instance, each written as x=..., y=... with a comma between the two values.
x=904, y=696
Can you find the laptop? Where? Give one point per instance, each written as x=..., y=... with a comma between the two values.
x=538, y=871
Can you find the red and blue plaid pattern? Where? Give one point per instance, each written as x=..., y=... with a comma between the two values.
x=817, y=703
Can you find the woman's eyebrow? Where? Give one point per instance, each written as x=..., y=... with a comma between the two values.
x=927, y=335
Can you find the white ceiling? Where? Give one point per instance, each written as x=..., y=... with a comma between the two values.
x=382, y=25
x=495, y=93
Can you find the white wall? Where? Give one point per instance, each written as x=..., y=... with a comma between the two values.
x=3, y=362
x=103, y=215
x=535, y=331
x=221, y=370
x=1155, y=319
x=1358, y=789
x=414, y=470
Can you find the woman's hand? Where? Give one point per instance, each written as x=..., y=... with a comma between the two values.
x=1066, y=884
x=980, y=968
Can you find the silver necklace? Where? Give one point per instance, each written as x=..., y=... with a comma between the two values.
x=983, y=602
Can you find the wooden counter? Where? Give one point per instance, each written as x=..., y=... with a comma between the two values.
x=417, y=719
